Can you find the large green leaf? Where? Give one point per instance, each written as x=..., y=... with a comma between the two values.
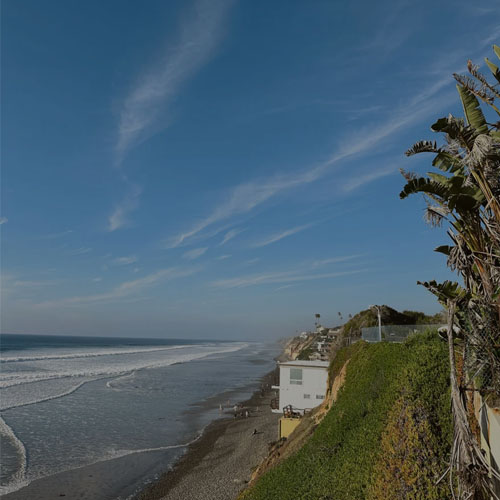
x=494, y=69
x=447, y=162
x=496, y=48
x=441, y=125
x=456, y=129
x=472, y=110
x=446, y=249
x=446, y=290
x=440, y=179
x=424, y=185
x=462, y=203
x=423, y=147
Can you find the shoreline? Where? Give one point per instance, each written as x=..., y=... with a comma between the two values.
x=219, y=464
x=104, y=479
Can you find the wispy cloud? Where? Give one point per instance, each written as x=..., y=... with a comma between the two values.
x=245, y=197
x=148, y=101
x=279, y=277
x=195, y=253
x=53, y=236
x=251, y=262
x=125, y=261
x=333, y=260
x=130, y=202
x=362, y=179
x=230, y=235
x=3, y=220
x=80, y=251
x=223, y=257
x=32, y=283
x=123, y=290
x=282, y=234
x=282, y=287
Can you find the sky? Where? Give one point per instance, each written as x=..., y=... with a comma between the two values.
x=221, y=169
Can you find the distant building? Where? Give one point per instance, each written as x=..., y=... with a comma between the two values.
x=303, y=384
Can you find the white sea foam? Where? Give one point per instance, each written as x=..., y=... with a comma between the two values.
x=92, y=354
x=40, y=377
x=21, y=385
x=6, y=405
x=18, y=479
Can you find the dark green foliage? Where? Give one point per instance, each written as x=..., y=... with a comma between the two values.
x=390, y=316
x=338, y=461
x=305, y=353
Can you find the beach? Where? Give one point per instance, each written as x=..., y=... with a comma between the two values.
x=111, y=437
x=219, y=464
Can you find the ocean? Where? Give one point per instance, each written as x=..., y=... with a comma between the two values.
x=69, y=402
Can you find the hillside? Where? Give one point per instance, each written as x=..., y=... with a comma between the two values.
x=389, y=316
x=386, y=437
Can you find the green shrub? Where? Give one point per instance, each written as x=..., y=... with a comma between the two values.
x=342, y=458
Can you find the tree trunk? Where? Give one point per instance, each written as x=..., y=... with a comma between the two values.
x=466, y=457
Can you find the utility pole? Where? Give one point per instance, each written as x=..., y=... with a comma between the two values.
x=379, y=322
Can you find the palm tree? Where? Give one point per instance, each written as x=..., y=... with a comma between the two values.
x=466, y=196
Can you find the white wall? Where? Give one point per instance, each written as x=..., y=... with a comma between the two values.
x=314, y=380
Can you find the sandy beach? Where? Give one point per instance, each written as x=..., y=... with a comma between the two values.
x=219, y=465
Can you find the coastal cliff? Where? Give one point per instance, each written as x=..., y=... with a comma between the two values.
x=384, y=431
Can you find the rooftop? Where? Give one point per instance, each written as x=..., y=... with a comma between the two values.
x=311, y=364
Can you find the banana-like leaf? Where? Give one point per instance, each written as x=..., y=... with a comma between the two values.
x=446, y=249
x=472, y=110
x=440, y=179
x=424, y=185
x=496, y=48
x=494, y=69
x=440, y=125
x=446, y=290
x=447, y=162
x=462, y=203
x=423, y=147
x=456, y=129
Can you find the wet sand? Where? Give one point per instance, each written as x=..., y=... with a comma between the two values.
x=219, y=465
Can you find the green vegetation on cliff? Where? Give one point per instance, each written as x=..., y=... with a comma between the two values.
x=391, y=415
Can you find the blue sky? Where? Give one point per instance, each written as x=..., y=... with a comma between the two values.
x=217, y=168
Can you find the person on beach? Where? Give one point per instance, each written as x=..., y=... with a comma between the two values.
x=254, y=432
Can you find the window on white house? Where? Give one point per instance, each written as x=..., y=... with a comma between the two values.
x=320, y=396
x=307, y=396
x=296, y=376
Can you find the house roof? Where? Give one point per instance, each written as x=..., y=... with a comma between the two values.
x=306, y=364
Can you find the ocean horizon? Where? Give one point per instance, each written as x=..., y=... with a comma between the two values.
x=69, y=402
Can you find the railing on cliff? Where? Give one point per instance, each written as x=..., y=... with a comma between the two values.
x=393, y=333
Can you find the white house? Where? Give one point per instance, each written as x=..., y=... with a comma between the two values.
x=302, y=384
